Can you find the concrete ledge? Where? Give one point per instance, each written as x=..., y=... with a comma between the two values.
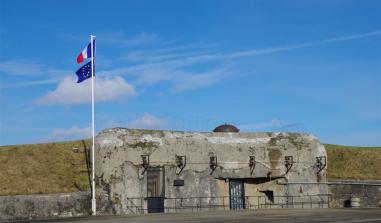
x=42, y=206
x=354, y=182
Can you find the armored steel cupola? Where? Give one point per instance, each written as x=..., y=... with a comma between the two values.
x=226, y=128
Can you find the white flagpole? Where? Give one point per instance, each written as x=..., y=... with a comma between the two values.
x=93, y=201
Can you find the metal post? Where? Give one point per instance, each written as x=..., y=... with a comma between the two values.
x=258, y=202
x=311, y=201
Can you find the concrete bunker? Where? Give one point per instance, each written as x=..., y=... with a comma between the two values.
x=146, y=171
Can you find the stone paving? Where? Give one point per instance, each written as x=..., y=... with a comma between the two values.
x=269, y=215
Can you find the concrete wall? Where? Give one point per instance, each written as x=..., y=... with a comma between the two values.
x=369, y=192
x=21, y=207
x=123, y=187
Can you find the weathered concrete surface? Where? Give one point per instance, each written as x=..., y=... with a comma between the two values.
x=44, y=206
x=278, y=216
x=123, y=187
x=369, y=192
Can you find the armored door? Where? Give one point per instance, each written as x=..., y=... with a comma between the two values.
x=237, y=194
x=155, y=189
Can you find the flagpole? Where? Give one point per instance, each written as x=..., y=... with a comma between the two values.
x=93, y=201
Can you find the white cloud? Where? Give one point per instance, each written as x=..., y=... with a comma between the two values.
x=21, y=68
x=157, y=66
x=194, y=81
x=154, y=75
x=163, y=65
x=32, y=70
x=29, y=83
x=274, y=123
x=121, y=39
x=147, y=121
x=68, y=92
x=180, y=79
x=70, y=133
x=168, y=53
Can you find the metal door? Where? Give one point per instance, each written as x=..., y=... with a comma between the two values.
x=237, y=194
x=155, y=190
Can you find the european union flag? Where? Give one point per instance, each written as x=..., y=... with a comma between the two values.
x=84, y=72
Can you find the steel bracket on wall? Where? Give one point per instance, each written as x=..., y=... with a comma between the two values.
x=213, y=163
x=181, y=162
x=321, y=163
x=145, y=163
x=251, y=164
x=288, y=163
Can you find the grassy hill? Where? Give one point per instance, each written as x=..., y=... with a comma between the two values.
x=43, y=168
x=61, y=167
x=349, y=162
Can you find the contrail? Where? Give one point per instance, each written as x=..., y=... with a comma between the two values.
x=176, y=63
x=302, y=45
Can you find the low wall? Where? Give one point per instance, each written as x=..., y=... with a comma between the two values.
x=369, y=192
x=43, y=206
x=40, y=206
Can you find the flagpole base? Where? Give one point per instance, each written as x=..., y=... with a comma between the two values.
x=93, y=209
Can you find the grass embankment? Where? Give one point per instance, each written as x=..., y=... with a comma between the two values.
x=43, y=168
x=349, y=162
x=56, y=167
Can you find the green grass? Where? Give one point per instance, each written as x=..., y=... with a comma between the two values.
x=348, y=162
x=55, y=167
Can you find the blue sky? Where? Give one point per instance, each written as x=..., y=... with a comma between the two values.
x=300, y=66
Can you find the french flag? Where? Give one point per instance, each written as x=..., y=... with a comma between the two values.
x=86, y=53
